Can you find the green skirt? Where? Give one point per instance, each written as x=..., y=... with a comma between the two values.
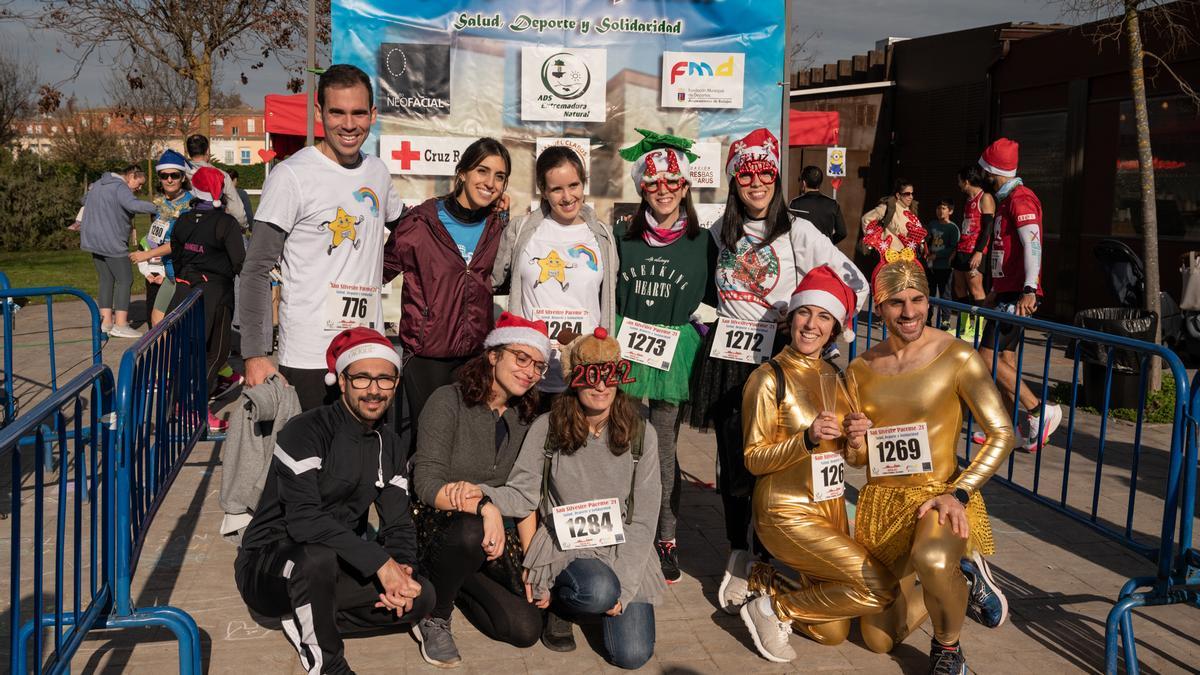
x=671, y=385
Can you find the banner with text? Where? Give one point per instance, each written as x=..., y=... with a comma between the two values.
x=535, y=73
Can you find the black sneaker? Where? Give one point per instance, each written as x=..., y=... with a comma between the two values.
x=669, y=559
x=558, y=635
x=945, y=660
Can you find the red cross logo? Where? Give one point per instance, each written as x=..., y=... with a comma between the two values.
x=406, y=155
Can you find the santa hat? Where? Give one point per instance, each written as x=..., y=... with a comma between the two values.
x=823, y=288
x=1000, y=158
x=758, y=150
x=207, y=184
x=172, y=160
x=356, y=344
x=516, y=330
x=659, y=156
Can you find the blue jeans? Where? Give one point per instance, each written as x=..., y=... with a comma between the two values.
x=588, y=587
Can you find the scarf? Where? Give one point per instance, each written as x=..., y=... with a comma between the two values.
x=658, y=237
x=1007, y=188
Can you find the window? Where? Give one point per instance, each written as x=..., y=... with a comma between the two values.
x=233, y=132
x=250, y=125
x=1043, y=141
x=218, y=122
x=1175, y=141
x=245, y=155
x=228, y=157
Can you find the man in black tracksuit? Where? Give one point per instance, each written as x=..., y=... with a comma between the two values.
x=304, y=556
x=817, y=208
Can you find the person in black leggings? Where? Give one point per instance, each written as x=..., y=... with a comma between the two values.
x=471, y=432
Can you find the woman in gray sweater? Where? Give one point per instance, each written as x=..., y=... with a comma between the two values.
x=470, y=432
x=590, y=469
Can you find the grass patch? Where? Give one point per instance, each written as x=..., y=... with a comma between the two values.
x=1160, y=405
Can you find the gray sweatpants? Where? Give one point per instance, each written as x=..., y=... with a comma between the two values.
x=116, y=281
x=664, y=417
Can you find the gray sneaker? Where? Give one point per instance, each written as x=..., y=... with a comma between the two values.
x=770, y=635
x=437, y=644
x=125, y=331
x=735, y=584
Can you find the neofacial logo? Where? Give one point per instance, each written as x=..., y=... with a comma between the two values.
x=566, y=76
x=414, y=80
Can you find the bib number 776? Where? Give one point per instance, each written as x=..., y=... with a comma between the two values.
x=354, y=308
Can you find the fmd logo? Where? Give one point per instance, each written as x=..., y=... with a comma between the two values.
x=701, y=69
x=703, y=79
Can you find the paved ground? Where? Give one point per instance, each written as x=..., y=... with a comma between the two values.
x=1061, y=576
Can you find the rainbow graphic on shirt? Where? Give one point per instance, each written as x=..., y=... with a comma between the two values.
x=366, y=194
x=589, y=256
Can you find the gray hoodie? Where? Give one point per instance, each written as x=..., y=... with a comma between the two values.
x=107, y=209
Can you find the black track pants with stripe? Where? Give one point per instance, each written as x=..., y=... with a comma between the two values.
x=318, y=599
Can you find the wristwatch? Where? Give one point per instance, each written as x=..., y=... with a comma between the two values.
x=483, y=501
x=1029, y=290
x=962, y=496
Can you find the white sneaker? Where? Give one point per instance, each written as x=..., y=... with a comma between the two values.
x=1053, y=417
x=125, y=331
x=770, y=635
x=735, y=586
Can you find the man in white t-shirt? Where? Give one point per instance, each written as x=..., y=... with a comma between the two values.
x=323, y=216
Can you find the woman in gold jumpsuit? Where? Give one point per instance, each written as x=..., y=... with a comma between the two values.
x=839, y=579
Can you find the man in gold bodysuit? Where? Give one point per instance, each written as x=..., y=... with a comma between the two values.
x=919, y=514
x=794, y=417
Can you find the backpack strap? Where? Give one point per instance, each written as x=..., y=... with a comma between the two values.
x=548, y=456
x=635, y=449
x=780, y=382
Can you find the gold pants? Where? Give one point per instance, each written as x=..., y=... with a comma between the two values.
x=934, y=559
x=839, y=578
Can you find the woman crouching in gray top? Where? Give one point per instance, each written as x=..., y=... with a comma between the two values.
x=471, y=432
x=590, y=469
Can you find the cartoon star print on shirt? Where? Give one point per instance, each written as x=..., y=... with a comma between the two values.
x=560, y=269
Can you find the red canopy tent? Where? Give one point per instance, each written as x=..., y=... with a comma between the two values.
x=812, y=128
x=286, y=121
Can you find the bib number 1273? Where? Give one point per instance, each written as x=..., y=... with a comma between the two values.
x=648, y=344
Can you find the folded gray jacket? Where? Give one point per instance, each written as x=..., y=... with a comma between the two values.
x=258, y=416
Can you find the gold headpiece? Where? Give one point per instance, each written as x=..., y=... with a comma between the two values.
x=895, y=277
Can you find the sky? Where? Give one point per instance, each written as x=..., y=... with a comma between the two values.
x=845, y=27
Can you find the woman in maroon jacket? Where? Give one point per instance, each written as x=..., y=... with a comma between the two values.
x=445, y=248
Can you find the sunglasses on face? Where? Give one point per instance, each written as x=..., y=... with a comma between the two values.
x=170, y=176
x=670, y=185
x=907, y=194
x=766, y=177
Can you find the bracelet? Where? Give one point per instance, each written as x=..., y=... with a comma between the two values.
x=483, y=501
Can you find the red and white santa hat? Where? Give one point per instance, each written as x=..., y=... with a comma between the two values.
x=1000, y=158
x=516, y=330
x=207, y=185
x=356, y=344
x=757, y=151
x=823, y=288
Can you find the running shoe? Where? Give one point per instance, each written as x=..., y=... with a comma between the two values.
x=217, y=427
x=558, y=635
x=945, y=660
x=770, y=635
x=225, y=385
x=668, y=557
x=125, y=331
x=437, y=643
x=735, y=585
x=986, y=605
x=1053, y=417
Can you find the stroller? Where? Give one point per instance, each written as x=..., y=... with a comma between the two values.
x=1127, y=280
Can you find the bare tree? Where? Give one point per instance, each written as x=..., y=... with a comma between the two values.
x=85, y=139
x=800, y=53
x=191, y=38
x=1176, y=23
x=153, y=102
x=18, y=81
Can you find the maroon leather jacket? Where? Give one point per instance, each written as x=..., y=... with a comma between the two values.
x=446, y=303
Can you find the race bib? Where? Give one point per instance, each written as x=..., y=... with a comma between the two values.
x=899, y=450
x=589, y=524
x=997, y=263
x=647, y=344
x=828, y=476
x=745, y=341
x=157, y=234
x=558, y=319
x=349, y=305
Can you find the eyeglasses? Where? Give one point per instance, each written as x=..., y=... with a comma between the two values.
x=363, y=381
x=907, y=194
x=670, y=185
x=173, y=175
x=525, y=361
x=766, y=177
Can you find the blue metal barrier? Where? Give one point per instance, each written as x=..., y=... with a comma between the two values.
x=125, y=459
x=9, y=307
x=79, y=528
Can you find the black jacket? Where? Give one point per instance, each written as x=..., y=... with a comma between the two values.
x=206, y=244
x=821, y=211
x=324, y=477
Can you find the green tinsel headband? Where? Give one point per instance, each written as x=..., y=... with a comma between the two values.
x=653, y=141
